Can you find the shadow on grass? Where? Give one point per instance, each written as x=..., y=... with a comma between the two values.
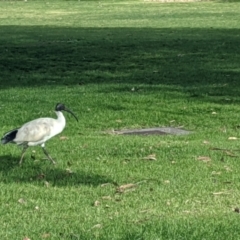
x=190, y=227
x=45, y=173
x=8, y=161
x=201, y=61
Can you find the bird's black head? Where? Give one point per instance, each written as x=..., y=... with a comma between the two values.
x=61, y=107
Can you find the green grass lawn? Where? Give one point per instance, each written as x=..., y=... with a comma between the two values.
x=122, y=65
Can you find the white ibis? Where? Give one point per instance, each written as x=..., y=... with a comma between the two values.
x=38, y=131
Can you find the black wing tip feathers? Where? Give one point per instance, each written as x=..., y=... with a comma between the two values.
x=9, y=136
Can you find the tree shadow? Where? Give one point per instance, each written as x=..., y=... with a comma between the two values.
x=45, y=173
x=199, y=61
x=8, y=162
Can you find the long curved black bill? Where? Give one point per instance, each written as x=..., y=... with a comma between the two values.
x=68, y=110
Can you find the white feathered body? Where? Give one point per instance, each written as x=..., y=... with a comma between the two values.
x=40, y=130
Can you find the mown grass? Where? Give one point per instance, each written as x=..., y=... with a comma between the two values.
x=121, y=65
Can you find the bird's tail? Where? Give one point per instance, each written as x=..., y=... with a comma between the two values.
x=9, y=136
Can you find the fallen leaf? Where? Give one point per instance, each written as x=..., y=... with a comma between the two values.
x=232, y=138
x=129, y=185
x=63, y=138
x=230, y=154
x=145, y=211
x=204, y=158
x=106, y=198
x=206, y=142
x=69, y=171
x=97, y=226
x=124, y=187
x=105, y=184
x=21, y=200
x=167, y=181
x=96, y=203
x=26, y=238
x=46, y=184
x=219, y=193
x=228, y=169
x=151, y=157
x=46, y=235
x=214, y=113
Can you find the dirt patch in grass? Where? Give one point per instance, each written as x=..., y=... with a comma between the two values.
x=154, y=131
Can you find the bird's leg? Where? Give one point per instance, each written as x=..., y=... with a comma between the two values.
x=23, y=152
x=46, y=153
x=48, y=156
